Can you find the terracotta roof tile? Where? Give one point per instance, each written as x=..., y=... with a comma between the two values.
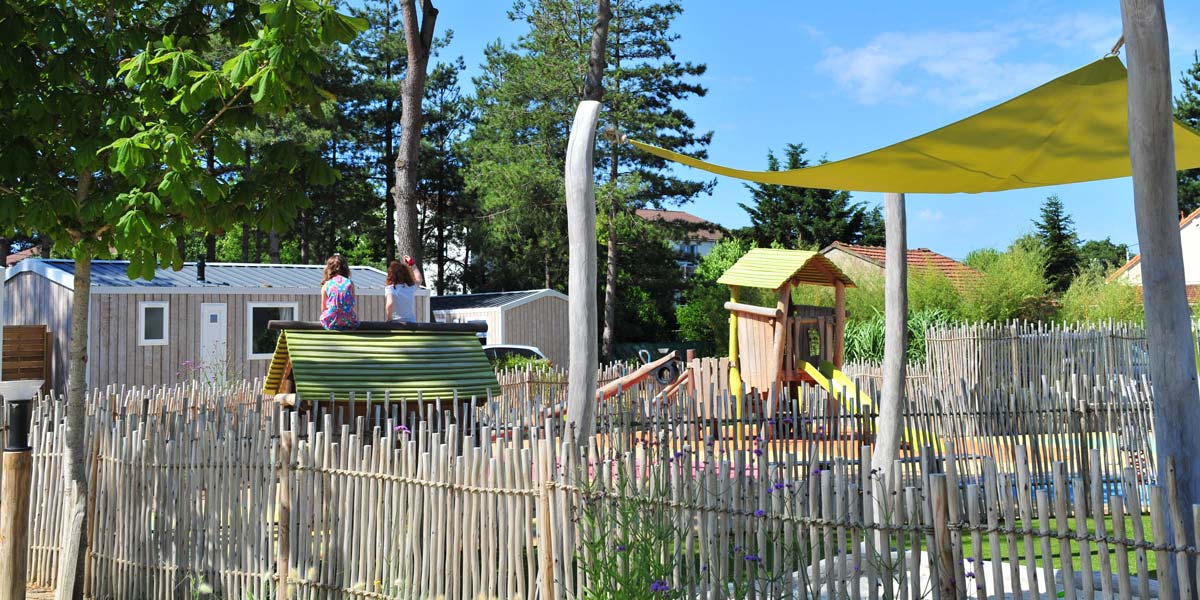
x=17, y=257
x=711, y=233
x=918, y=258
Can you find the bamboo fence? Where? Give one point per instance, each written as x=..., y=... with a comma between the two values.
x=202, y=487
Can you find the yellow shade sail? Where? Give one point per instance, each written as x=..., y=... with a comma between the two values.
x=1072, y=129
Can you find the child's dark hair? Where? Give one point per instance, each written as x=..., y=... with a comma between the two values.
x=336, y=265
x=400, y=274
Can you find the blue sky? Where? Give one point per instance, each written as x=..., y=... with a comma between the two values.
x=849, y=77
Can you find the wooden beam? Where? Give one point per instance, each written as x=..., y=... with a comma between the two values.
x=839, y=323
x=581, y=280
x=761, y=311
x=1168, y=321
x=887, y=440
x=780, y=338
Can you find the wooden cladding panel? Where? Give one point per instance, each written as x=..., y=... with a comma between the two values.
x=542, y=323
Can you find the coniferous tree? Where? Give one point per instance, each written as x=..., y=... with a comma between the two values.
x=1059, y=243
x=794, y=217
x=1187, y=110
x=644, y=84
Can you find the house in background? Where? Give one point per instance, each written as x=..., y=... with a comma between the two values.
x=857, y=261
x=528, y=318
x=693, y=237
x=208, y=323
x=1189, y=238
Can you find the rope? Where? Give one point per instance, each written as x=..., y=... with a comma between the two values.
x=444, y=485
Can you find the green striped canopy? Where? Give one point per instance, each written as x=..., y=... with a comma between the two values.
x=771, y=268
x=436, y=364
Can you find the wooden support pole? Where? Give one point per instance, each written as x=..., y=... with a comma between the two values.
x=735, y=375
x=14, y=502
x=895, y=345
x=947, y=582
x=284, y=496
x=839, y=323
x=581, y=280
x=1156, y=206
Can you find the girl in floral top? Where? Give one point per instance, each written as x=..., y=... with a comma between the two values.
x=337, y=295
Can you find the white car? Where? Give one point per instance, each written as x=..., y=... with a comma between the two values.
x=499, y=351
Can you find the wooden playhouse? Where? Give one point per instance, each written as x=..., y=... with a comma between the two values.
x=784, y=345
x=400, y=363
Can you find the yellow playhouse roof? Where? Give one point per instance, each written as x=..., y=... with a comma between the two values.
x=770, y=268
x=1074, y=128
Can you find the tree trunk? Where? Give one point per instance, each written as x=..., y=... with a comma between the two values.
x=246, y=242
x=610, y=289
x=181, y=246
x=210, y=248
x=258, y=245
x=75, y=456
x=273, y=247
x=891, y=406
x=440, y=226
x=388, y=201
x=419, y=43
x=581, y=236
x=1168, y=321
x=581, y=280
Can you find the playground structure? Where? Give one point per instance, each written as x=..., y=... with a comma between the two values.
x=411, y=364
x=769, y=348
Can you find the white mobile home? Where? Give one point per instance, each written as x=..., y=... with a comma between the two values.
x=208, y=323
x=529, y=318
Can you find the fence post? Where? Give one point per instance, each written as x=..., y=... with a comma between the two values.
x=545, y=545
x=14, y=502
x=944, y=553
x=284, y=496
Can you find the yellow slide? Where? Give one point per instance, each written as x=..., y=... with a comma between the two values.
x=844, y=390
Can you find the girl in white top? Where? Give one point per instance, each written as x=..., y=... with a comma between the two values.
x=402, y=283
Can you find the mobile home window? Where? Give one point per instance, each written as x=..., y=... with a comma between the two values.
x=153, y=323
x=260, y=340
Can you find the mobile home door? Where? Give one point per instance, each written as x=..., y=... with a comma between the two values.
x=213, y=326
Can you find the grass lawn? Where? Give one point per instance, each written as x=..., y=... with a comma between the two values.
x=1076, y=560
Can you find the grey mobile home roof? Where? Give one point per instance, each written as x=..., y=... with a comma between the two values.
x=111, y=273
x=478, y=301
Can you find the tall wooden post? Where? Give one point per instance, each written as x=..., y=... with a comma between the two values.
x=14, y=502
x=581, y=280
x=735, y=373
x=1156, y=206
x=895, y=344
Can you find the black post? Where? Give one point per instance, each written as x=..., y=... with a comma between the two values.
x=14, y=502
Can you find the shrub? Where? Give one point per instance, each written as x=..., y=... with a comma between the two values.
x=702, y=315
x=1090, y=298
x=1013, y=286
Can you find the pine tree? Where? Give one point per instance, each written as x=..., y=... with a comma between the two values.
x=1187, y=110
x=644, y=84
x=1059, y=243
x=794, y=217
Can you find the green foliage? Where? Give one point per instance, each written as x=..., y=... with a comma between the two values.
x=119, y=153
x=1013, y=286
x=792, y=217
x=517, y=362
x=865, y=336
x=702, y=315
x=627, y=546
x=1090, y=298
x=1059, y=243
x=1187, y=110
x=981, y=259
x=648, y=281
x=1102, y=255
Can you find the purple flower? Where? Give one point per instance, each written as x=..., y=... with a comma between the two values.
x=660, y=586
x=758, y=451
x=620, y=548
x=402, y=429
x=971, y=574
x=753, y=558
x=737, y=548
x=760, y=513
x=857, y=569
x=780, y=485
x=971, y=560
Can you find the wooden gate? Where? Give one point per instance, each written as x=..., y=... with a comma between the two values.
x=27, y=353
